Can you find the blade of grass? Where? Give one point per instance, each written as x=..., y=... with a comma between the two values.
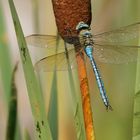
x=77, y=109
x=12, y=115
x=34, y=91
x=53, y=106
x=77, y=106
x=136, y=117
x=5, y=65
x=136, y=112
x=18, y=131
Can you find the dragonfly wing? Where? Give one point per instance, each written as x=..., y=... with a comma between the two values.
x=45, y=41
x=53, y=44
x=38, y=40
x=116, y=54
x=120, y=35
x=59, y=62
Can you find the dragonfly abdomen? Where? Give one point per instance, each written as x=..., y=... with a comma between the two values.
x=99, y=83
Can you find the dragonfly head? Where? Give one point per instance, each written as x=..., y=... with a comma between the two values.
x=81, y=26
x=86, y=34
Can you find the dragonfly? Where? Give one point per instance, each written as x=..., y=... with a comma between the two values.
x=118, y=46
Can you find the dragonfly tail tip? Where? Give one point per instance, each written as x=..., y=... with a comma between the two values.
x=109, y=107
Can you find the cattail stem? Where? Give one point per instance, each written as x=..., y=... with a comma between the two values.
x=87, y=111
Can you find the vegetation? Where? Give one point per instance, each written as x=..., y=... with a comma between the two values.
x=54, y=96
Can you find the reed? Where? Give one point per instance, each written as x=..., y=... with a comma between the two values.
x=136, y=109
x=34, y=90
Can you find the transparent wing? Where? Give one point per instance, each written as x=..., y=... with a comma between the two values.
x=116, y=54
x=60, y=62
x=120, y=35
x=56, y=46
x=113, y=37
x=44, y=41
x=50, y=42
x=109, y=47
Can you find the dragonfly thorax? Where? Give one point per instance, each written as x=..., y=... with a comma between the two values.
x=85, y=38
x=85, y=34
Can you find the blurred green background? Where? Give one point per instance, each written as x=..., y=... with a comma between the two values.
x=120, y=80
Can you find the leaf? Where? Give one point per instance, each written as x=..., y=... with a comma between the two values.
x=77, y=106
x=136, y=115
x=18, y=131
x=34, y=91
x=12, y=115
x=136, y=110
x=5, y=64
x=53, y=108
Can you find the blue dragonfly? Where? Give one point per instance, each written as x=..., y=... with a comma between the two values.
x=115, y=47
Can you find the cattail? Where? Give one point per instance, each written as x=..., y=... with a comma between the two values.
x=68, y=13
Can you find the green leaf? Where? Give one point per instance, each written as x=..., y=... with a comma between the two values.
x=5, y=64
x=77, y=108
x=136, y=114
x=53, y=108
x=53, y=105
x=34, y=90
x=12, y=115
x=77, y=105
x=136, y=117
x=18, y=131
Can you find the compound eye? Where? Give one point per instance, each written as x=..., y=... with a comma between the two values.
x=87, y=34
x=82, y=26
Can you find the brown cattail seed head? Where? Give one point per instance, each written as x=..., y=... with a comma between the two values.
x=68, y=13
